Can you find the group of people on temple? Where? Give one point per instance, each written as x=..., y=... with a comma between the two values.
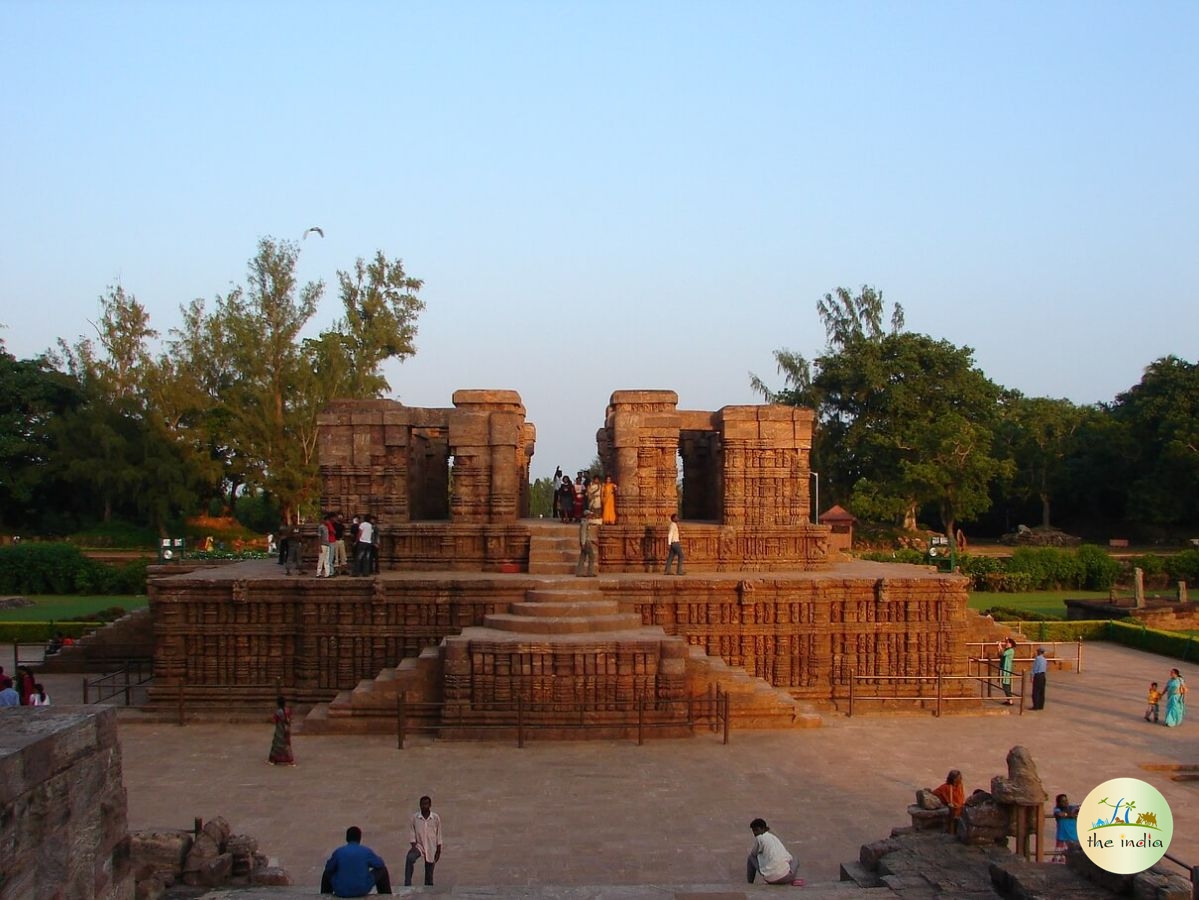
x=342, y=549
x=354, y=869
x=583, y=496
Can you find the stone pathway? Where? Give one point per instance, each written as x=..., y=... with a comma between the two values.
x=564, y=817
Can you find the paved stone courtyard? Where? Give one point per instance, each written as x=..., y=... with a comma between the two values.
x=669, y=812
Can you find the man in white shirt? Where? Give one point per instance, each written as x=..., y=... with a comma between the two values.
x=770, y=858
x=363, y=548
x=426, y=841
x=675, y=545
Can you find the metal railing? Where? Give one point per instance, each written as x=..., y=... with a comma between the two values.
x=125, y=680
x=938, y=695
x=526, y=719
x=1051, y=654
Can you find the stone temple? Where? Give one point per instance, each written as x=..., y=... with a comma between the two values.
x=475, y=617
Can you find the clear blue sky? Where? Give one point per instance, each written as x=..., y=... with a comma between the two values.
x=622, y=195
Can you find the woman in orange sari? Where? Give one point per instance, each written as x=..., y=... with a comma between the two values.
x=609, y=501
x=953, y=795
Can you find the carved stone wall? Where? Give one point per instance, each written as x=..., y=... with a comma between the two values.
x=741, y=465
x=231, y=641
x=393, y=462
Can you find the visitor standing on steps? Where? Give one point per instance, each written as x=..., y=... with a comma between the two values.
x=362, y=549
x=675, y=546
x=557, y=483
x=588, y=547
x=426, y=842
x=609, y=501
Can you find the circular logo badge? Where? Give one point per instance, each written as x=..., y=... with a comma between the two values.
x=1125, y=825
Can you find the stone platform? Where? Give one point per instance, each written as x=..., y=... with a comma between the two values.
x=232, y=637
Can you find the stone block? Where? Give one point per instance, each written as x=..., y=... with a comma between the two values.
x=269, y=875
x=215, y=872
x=159, y=851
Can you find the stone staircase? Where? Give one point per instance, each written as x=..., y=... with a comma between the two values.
x=579, y=664
x=553, y=549
x=129, y=638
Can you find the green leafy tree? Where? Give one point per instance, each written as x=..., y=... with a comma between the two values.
x=112, y=448
x=1161, y=414
x=32, y=395
x=1040, y=435
x=903, y=420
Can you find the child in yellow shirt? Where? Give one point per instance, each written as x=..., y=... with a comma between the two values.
x=1155, y=697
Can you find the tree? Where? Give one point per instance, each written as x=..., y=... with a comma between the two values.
x=249, y=390
x=1040, y=435
x=112, y=448
x=1161, y=414
x=32, y=395
x=903, y=420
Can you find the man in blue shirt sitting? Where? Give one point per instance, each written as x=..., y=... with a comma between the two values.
x=353, y=870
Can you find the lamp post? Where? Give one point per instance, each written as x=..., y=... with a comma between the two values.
x=816, y=505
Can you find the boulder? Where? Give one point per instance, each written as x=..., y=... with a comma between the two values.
x=926, y=799
x=160, y=851
x=1022, y=786
x=269, y=875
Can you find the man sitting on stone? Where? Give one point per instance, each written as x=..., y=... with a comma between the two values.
x=770, y=858
x=353, y=869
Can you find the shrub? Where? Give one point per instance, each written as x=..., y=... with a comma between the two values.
x=1049, y=568
x=115, y=534
x=1184, y=567
x=39, y=632
x=1151, y=564
x=1011, y=613
x=1164, y=643
x=1097, y=568
x=40, y=568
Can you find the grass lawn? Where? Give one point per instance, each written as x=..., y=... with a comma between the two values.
x=1048, y=603
x=52, y=607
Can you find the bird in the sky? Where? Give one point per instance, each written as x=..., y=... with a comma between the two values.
x=312, y=229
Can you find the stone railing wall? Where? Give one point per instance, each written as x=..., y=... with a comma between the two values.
x=62, y=805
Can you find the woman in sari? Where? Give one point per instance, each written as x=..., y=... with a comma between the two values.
x=281, y=754
x=1006, y=666
x=1176, y=698
x=566, y=499
x=609, y=501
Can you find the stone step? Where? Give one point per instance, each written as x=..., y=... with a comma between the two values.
x=566, y=608
x=814, y=890
x=563, y=624
x=572, y=592
x=859, y=875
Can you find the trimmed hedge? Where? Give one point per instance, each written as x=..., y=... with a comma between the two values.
x=1131, y=634
x=1088, y=568
x=1153, y=640
x=40, y=632
x=45, y=568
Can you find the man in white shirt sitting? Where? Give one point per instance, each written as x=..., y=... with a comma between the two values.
x=770, y=858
